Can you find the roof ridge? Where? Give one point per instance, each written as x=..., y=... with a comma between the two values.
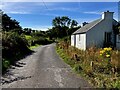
x=89, y=26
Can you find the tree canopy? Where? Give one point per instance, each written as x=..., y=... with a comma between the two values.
x=9, y=24
x=64, y=22
x=62, y=27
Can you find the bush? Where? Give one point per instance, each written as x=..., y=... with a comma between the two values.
x=13, y=44
x=40, y=41
x=6, y=63
x=14, y=47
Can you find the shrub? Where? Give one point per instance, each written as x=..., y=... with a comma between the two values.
x=14, y=47
x=5, y=63
x=13, y=44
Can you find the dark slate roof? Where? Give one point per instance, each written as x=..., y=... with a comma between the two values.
x=87, y=27
x=115, y=22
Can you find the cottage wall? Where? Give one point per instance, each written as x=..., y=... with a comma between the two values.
x=118, y=42
x=81, y=41
x=96, y=35
x=73, y=40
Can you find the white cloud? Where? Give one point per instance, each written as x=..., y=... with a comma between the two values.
x=92, y=12
x=17, y=12
x=49, y=14
x=14, y=8
x=1, y=6
x=23, y=8
x=63, y=9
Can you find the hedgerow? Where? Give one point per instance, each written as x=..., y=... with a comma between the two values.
x=14, y=47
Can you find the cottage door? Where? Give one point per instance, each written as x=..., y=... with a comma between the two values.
x=108, y=38
x=74, y=40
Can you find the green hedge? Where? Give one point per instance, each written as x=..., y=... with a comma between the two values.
x=14, y=47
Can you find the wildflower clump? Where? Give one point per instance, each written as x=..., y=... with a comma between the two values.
x=106, y=52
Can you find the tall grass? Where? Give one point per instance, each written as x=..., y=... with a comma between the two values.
x=99, y=70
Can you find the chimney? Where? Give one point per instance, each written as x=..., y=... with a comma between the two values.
x=107, y=15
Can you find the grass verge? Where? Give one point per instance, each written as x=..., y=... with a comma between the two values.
x=35, y=46
x=100, y=71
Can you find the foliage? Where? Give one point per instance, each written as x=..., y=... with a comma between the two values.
x=100, y=66
x=58, y=32
x=32, y=47
x=9, y=24
x=5, y=63
x=14, y=46
x=62, y=27
x=37, y=38
x=64, y=21
x=106, y=53
x=16, y=43
x=40, y=41
x=61, y=21
x=28, y=37
x=116, y=28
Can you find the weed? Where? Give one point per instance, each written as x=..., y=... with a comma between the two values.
x=100, y=66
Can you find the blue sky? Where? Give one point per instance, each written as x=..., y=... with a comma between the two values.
x=39, y=15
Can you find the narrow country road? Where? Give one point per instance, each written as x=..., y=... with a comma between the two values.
x=42, y=69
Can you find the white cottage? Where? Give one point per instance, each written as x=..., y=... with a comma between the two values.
x=96, y=33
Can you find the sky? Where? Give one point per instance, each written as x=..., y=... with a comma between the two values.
x=39, y=15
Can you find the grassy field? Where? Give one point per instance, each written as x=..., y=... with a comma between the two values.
x=101, y=67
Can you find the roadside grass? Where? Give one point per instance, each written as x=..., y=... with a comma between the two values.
x=101, y=67
x=28, y=37
x=35, y=46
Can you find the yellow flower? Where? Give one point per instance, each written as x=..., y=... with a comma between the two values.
x=100, y=54
x=105, y=49
x=107, y=56
x=108, y=49
x=102, y=51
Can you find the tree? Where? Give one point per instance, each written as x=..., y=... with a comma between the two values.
x=56, y=22
x=27, y=31
x=61, y=21
x=65, y=21
x=9, y=24
x=74, y=23
x=84, y=23
x=62, y=25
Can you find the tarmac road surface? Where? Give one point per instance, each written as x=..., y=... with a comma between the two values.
x=43, y=69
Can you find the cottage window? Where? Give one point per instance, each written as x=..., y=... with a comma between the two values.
x=107, y=37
